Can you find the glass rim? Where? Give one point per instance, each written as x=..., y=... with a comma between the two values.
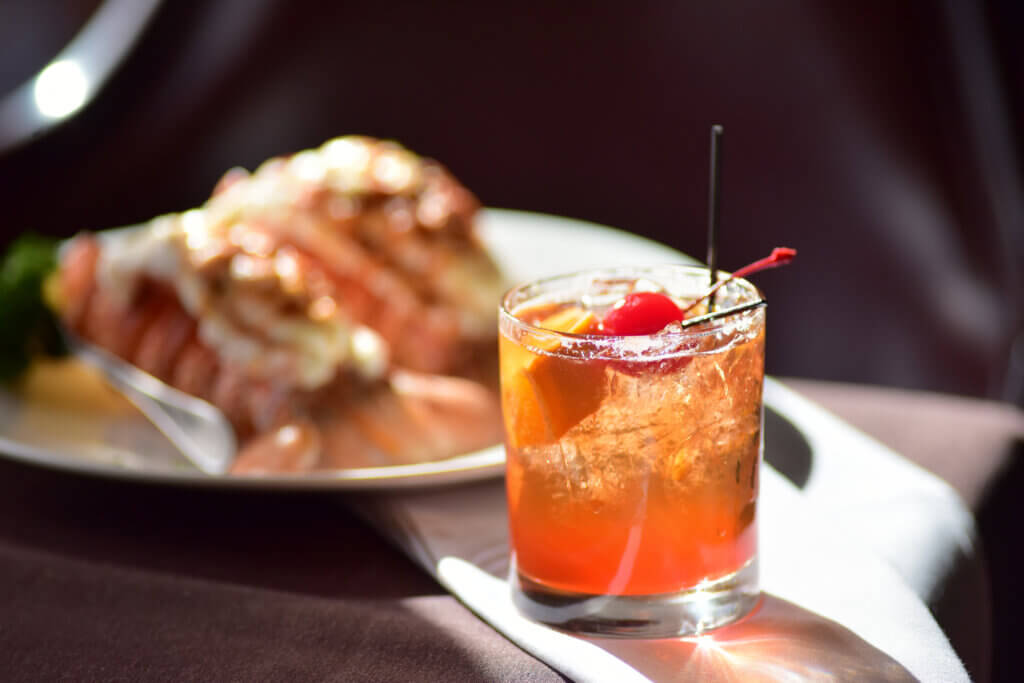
x=697, y=331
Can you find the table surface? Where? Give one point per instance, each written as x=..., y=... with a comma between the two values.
x=116, y=580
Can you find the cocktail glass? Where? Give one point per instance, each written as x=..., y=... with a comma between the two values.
x=633, y=461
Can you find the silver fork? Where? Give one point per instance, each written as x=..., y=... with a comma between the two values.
x=199, y=430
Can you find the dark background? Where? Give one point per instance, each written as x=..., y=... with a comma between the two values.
x=879, y=139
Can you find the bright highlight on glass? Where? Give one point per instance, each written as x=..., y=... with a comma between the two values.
x=60, y=89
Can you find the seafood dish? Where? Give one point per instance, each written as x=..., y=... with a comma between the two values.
x=336, y=305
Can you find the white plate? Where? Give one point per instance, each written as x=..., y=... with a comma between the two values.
x=526, y=245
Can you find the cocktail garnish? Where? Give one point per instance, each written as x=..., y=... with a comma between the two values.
x=644, y=313
x=570, y=320
x=640, y=313
x=546, y=396
x=780, y=256
x=720, y=313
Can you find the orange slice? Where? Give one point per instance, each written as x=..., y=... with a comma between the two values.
x=544, y=396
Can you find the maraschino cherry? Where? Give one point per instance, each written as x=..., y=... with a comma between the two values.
x=643, y=313
x=640, y=313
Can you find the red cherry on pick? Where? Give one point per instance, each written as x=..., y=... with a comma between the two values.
x=641, y=313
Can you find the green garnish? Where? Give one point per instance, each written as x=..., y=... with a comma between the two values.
x=27, y=326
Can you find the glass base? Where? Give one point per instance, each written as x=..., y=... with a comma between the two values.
x=707, y=606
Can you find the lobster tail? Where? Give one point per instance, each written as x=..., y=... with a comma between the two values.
x=293, y=296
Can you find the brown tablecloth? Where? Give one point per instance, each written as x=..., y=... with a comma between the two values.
x=106, y=580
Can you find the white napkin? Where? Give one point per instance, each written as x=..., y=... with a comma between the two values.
x=909, y=517
x=859, y=546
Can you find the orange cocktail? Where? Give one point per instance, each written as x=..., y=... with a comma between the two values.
x=632, y=459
